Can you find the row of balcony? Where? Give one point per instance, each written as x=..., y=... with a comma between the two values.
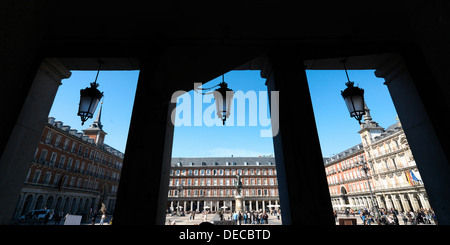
x=84, y=155
x=73, y=170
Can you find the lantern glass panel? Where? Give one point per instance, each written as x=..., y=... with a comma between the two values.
x=85, y=103
x=358, y=102
x=355, y=104
x=87, y=106
x=229, y=100
x=220, y=104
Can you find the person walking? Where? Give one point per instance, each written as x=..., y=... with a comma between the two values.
x=57, y=218
x=94, y=217
x=103, y=218
x=235, y=217
x=266, y=218
x=404, y=218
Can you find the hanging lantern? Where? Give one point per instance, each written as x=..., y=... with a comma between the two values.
x=223, y=97
x=89, y=99
x=354, y=99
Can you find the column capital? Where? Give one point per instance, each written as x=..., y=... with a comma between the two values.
x=55, y=69
x=390, y=68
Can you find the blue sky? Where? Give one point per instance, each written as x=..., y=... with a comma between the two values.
x=224, y=141
x=337, y=131
x=118, y=87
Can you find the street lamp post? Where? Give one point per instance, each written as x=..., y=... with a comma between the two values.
x=366, y=169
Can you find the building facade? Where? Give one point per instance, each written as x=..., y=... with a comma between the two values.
x=71, y=172
x=347, y=183
x=393, y=175
x=197, y=184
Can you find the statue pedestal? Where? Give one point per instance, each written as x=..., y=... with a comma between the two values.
x=239, y=205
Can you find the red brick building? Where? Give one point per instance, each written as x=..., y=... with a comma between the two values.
x=71, y=171
x=196, y=183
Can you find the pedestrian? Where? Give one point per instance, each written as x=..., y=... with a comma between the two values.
x=235, y=217
x=404, y=217
x=396, y=218
x=369, y=219
x=266, y=218
x=94, y=216
x=102, y=219
x=34, y=219
x=57, y=218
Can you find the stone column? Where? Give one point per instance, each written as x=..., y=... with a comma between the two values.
x=15, y=160
x=424, y=202
x=142, y=183
x=427, y=203
x=302, y=185
x=405, y=203
x=413, y=200
x=380, y=202
x=396, y=203
x=419, y=107
x=388, y=202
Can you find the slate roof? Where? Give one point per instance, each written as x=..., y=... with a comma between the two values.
x=222, y=161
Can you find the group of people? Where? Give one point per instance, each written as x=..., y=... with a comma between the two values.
x=102, y=218
x=252, y=217
x=393, y=216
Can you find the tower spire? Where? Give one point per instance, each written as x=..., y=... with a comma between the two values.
x=367, y=117
x=97, y=123
x=95, y=130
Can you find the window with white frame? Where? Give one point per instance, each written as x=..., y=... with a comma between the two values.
x=36, y=177
x=48, y=139
x=47, y=177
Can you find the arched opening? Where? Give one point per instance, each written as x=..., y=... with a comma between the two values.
x=27, y=204
x=39, y=202
x=344, y=195
x=49, y=203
